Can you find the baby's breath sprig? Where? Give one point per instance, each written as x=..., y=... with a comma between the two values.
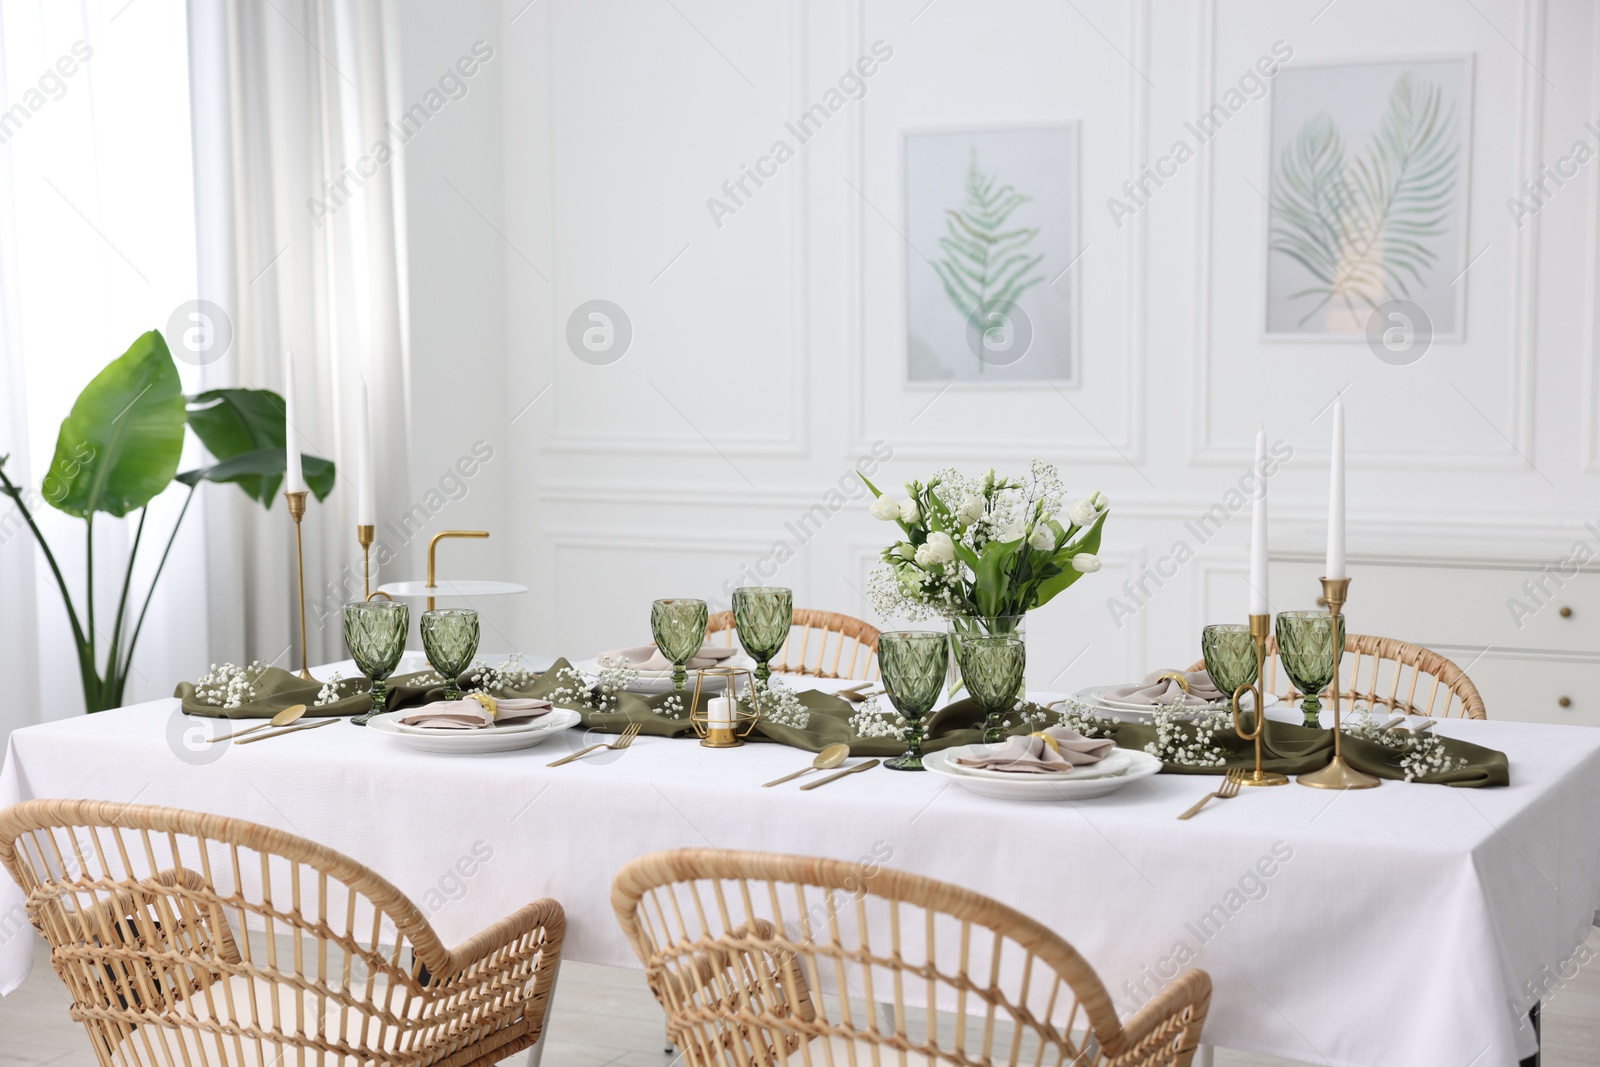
x=1076, y=715
x=229, y=686
x=872, y=720
x=329, y=691
x=1422, y=755
x=1187, y=736
x=670, y=708
x=779, y=704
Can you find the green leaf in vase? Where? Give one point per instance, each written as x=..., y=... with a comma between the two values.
x=119, y=446
x=1090, y=542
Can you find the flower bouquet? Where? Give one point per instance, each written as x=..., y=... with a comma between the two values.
x=986, y=548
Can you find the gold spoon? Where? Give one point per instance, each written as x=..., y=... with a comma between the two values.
x=283, y=718
x=827, y=759
x=859, y=695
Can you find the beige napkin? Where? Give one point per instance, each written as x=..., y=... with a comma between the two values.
x=469, y=714
x=1158, y=690
x=648, y=658
x=1035, y=755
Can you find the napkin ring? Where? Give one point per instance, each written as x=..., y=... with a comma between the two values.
x=1176, y=676
x=488, y=702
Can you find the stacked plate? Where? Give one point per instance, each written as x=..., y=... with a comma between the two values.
x=1119, y=768
x=506, y=738
x=1096, y=696
x=661, y=681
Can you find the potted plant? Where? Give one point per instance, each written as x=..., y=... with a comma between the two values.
x=118, y=449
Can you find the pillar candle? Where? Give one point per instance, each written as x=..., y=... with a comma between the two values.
x=719, y=713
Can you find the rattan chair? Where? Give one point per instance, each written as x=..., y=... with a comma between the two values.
x=763, y=959
x=1389, y=675
x=817, y=645
x=189, y=939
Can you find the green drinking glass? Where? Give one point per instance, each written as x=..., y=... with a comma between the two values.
x=913, y=663
x=679, y=627
x=762, y=616
x=450, y=638
x=1305, y=644
x=992, y=666
x=1230, y=654
x=375, y=632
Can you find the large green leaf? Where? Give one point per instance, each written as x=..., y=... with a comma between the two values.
x=244, y=430
x=264, y=468
x=1089, y=542
x=120, y=444
x=990, y=581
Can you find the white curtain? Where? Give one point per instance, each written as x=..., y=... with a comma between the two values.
x=96, y=247
x=297, y=213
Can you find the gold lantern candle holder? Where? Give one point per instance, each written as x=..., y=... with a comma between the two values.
x=732, y=733
x=1260, y=627
x=1337, y=774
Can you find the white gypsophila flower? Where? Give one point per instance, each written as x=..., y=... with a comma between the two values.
x=909, y=511
x=1011, y=530
x=1083, y=512
x=1186, y=736
x=885, y=508
x=871, y=720
x=670, y=708
x=1043, y=538
x=775, y=702
x=329, y=691
x=229, y=686
x=1076, y=715
x=1084, y=563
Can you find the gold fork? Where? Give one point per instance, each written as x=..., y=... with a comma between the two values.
x=623, y=741
x=1228, y=790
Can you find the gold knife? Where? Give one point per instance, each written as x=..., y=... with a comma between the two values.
x=841, y=774
x=290, y=730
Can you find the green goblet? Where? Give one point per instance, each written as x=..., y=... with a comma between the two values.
x=992, y=666
x=913, y=664
x=450, y=638
x=1305, y=644
x=679, y=627
x=375, y=631
x=762, y=617
x=1230, y=654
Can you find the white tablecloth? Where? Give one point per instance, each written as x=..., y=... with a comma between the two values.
x=1403, y=925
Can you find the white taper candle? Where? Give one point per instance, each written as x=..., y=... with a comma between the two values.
x=1335, y=565
x=294, y=479
x=367, y=494
x=1258, y=532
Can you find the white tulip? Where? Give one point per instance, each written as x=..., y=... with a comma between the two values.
x=905, y=551
x=1043, y=539
x=970, y=511
x=925, y=556
x=1083, y=512
x=939, y=549
x=885, y=508
x=908, y=510
x=1011, y=531
x=1084, y=563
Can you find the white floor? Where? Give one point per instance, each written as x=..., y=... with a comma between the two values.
x=604, y=1017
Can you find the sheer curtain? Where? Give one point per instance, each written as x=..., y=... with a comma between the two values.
x=96, y=247
x=300, y=242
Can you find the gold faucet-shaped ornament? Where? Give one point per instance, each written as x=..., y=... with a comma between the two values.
x=433, y=544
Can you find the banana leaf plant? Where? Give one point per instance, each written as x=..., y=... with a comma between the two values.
x=118, y=449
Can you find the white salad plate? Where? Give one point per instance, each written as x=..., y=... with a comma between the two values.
x=475, y=742
x=1037, y=787
x=1096, y=696
x=661, y=681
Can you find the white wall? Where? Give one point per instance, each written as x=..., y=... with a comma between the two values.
x=767, y=353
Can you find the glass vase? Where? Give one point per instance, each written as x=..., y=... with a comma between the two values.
x=990, y=651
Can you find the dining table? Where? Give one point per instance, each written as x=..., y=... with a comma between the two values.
x=1404, y=925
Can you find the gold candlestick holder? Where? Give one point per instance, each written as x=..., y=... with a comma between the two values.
x=1260, y=628
x=741, y=722
x=364, y=536
x=1337, y=774
x=297, y=511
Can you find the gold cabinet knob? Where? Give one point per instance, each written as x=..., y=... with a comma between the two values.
x=1565, y=702
x=1565, y=612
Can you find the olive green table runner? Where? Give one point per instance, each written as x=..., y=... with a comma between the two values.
x=1287, y=748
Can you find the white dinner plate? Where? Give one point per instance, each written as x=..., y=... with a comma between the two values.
x=1118, y=761
x=661, y=681
x=531, y=725
x=474, y=742
x=1039, y=789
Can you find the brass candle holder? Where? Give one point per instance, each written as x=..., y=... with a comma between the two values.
x=1337, y=774
x=740, y=723
x=364, y=536
x=297, y=511
x=1260, y=628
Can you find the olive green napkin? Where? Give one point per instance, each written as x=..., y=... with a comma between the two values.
x=277, y=689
